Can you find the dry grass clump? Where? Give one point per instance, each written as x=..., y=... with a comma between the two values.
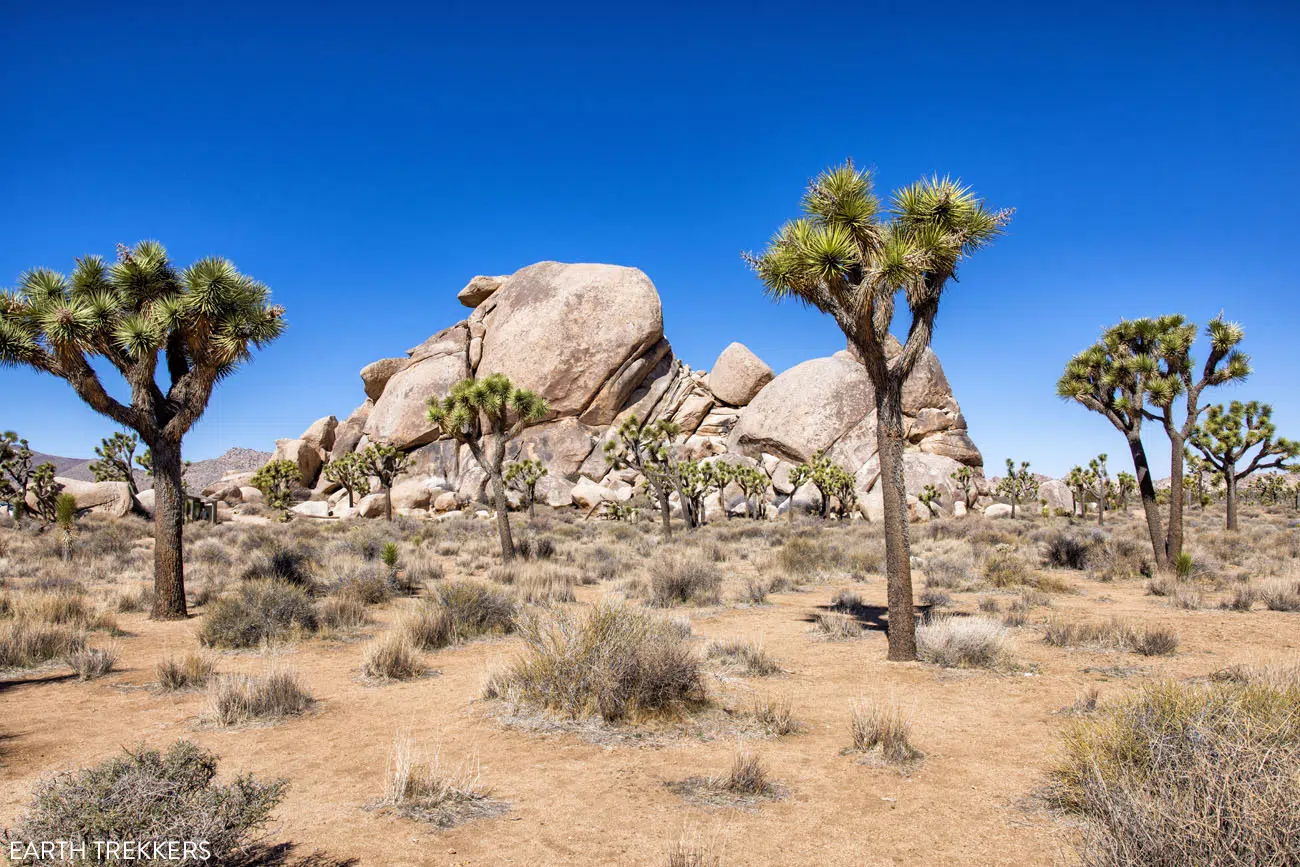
x=152, y=798
x=342, y=614
x=881, y=728
x=745, y=784
x=754, y=591
x=1116, y=633
x=1197, y=774
x=260, y=611
x=775, y=714
x=836, y=626
x=694, y=850
x=428, y=627
x=430, y=790
x=546, y=584
x=611, y=661
x=140, y=599
x=965, y=642
x=89, y=663
x=951, y=570
x=1006, y=567
x=745, y=657
x=27, y=644
x=369, y=585
x=191, y=671
x=1281, y=595
x=392, y=657
x=684, y=580
x=1242, y=599
x=935, y=598
x=1186, y=597
x=747, y=776
x=288, y=565
x=1119, y=559
x=475, y=608
x=1065, y=550
x=239, y=698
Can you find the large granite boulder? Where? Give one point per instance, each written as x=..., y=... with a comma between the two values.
x=105, y=498
x=303, y=454
x=398, y=418
x=350, y=431
x=565, y=331
x=321, y=433
x=738, y=375
x=375, y=376
x=478, y=290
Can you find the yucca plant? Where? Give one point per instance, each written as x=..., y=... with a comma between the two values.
x=1225, y=440
x=928, y=497
x=204, y=321
x=276, y=480
x=485, y=415
x=65, y=516
x=850, y=258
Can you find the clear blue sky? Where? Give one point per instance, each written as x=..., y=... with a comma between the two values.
x=366, y=160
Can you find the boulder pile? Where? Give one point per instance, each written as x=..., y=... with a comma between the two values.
x=590, y=339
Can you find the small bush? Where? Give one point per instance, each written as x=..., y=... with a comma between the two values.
x=964, y=642
x=611, y=661
x=141, y=599
x=288, y=565
x=342, y=615
x=1115, y=633
x=1067, y=551
x=935, y=598
x=89, y=663
x=881, y=726
x=1187, y=597
x=1006, y=568
x=951, y=570
x=190, y=672
x=24, y=644
x=369, y=585
x=746, y=657
x=429, y=627
x=677, y=580
x=393, y=657
x=693, y=850
x=1162, y=586
x=237, y=698
x=1281, y=595
x=747, y=775
x=152, y=797
x=1196, y=774
x=543, y=585
x=475, y=608
x=259, y=611
x=1242, y=599
x=776, y=715
x=755, y=591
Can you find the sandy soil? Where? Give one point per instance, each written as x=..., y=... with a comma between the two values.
x=987, y=737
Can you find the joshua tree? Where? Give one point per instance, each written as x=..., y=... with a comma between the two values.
x=65, y=515
x=44, y=493
x=487, y=414
x=1099, y=485
x=1112, y=378
x=841, y=488
x=1226, y=438
x=1125, y=484
x=1177, y=377
x=849, y=259
x=349, y=472
x=753, y=482
x=116, y=460
x=203, y=320
x=647, y=448
x=1018, y=484
x=145, y=462
x=276, y=480
x=523, y=476
x=929, y=496
x=15, y=472
x=385, y=463
x=965, y=479
x=697, y=481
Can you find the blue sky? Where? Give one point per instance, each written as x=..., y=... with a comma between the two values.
x=365, y=161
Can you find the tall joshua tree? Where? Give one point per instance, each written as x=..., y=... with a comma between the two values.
x=647, y=447
x=486, y=414
x=204, y=321
x=116, y=460
x=849, y=258
x=1112, y=378
x=1018, y=484
x=1179, y=377
x=1226, y=439
x=1099, y=485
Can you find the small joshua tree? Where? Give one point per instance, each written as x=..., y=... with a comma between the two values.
x=843, y=490
x=698, y=480
x=928, y=497
x=1099, y=485
x=647, y=448
x=116, y=460
x=44, y=492
x=965, y=481
x=65, y=516
x=1125, y=484
x=1018, y=484
x=1077, y=481
x=523, y=476
x=485, y=415
x=15, y=472
x=753, y=483
x=799, y=476
x=349, y=472
x=1226, y=437
x=822, y=478
x=851, y=259
x=276, y=480
x=201, y=323
x=385, y=463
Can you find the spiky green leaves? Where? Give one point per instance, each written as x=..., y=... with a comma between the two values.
x=1227, y=435
x=1018, y=484
x=494, y=399
x=277, y=480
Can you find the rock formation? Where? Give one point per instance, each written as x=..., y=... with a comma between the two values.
x=590, y=339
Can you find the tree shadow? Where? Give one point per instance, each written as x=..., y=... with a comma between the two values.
x=13, y=683
x=874, y=618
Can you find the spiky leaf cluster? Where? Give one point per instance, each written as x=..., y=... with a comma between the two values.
x=929, y=497
x=349, y=472
x=1227, y=436
x=277, y=480
x=15, y=472
x=1019, y=484
x=964, y=477
x=43, y=492
x=116, y=459
x=475, y=407
x=384, y=462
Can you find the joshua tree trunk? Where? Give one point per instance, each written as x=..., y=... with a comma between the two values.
x=1174, y=539
x=889, y=434
x=789, y=508
x=666, y=511
x=503, y=518
x=1230, y=492
x=1147, y=491
x=388, y=502
x=1013, y=508
x=532, y=505
x=169, y=522
x=1101, y=508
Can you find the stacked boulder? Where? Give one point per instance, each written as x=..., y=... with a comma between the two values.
x=589, y=338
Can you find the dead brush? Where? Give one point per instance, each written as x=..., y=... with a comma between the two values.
x=747, y=776
x=428, y=627
x=27, y=644
x=1242, y=599
x=191, y=671
x=392, y=657
x=432, y=790
x=89, y=663
x=1114, y=634
x=836, y=626
x=775, y=714
x=965, y=642
x=694, y=850
x=342, y=614
x=881, y=728
x=744, y=657
x=546, y=584
x=234, y=699
x=1279, y=595
x=684, y=580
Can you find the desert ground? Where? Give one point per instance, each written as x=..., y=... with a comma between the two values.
x=555, y=787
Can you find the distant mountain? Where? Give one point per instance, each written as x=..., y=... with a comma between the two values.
x=201, y=474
